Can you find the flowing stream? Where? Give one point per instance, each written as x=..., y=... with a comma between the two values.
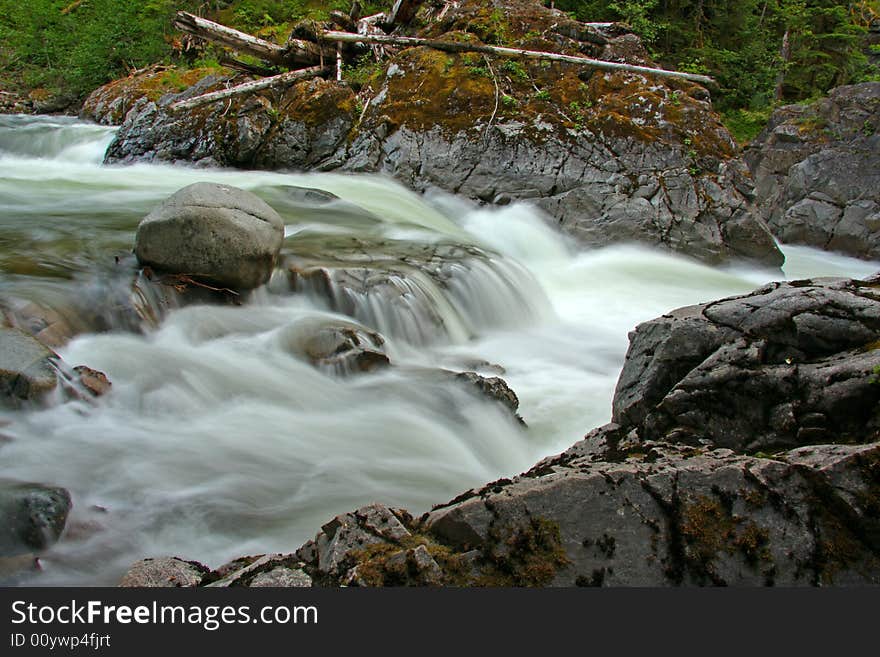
x=219, y=440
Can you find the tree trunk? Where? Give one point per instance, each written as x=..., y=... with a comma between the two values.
x=250, y=87
x=295, y=53
x=447, y=46
x=785, y=54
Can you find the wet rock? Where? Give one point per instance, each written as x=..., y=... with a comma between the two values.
x=48, y=325
x=109, y=104
x=95, y=382
x=817, y=171
x=424, y=293
x=333, y=553
x=789, y=364
x=494, y=388
x=271, y=570
x=32, y=516
x=305, y=126
x=213, y=233
x=346, y=349
x=164, y=572
x=27, y=369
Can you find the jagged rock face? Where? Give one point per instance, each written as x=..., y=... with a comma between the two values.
x=659, y=515
x=817, y=171
x=300, y=128
x=610, y=156
x=789, y=364
x=268, y=570
x=109, y=104
x=665, y=515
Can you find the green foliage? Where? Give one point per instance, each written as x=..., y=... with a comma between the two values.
x=637, y=14
x=740, y=43
x=514, y=69
x=362, y=70
x=745, y=124
x=73, y=47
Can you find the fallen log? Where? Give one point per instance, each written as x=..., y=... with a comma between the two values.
x=514, y=53
x=249, y=87
x=295, y=53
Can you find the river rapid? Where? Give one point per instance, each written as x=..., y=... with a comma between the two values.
x=218, y=440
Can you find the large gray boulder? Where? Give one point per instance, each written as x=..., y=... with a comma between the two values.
x=27, y=367
x=789, y=364
x=817, y=171
x=32, y=516
x=211, y=232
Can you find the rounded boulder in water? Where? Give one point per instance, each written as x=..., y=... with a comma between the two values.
x=213, y=233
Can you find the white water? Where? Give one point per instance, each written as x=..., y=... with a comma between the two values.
x=217, y=440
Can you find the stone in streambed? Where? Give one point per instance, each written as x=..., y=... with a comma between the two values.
x=32, y=516
x=213, y=233
x=26, y=369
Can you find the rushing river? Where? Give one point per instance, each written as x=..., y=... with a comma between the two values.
x=217, y=440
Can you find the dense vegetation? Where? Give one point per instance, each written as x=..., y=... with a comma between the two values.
x=761, y=51
x=74, y=46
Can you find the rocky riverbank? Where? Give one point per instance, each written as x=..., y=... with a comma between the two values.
x=817, y=171
x=610, y=156
x=743, y=451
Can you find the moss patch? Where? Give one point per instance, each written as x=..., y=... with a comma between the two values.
x=518, y=556
x=527, y=555
x=709, y=527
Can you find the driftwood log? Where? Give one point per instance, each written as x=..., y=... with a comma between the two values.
x=514, y=53
x=315, y=48
x=295, y=53
x=249, y=87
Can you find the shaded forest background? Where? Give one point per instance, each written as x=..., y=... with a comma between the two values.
x=762, y=52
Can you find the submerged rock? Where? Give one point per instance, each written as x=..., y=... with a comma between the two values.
x=337, y=346
x=817, y=171
x=32, y=516
x=214, y=233
x=425, y=293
